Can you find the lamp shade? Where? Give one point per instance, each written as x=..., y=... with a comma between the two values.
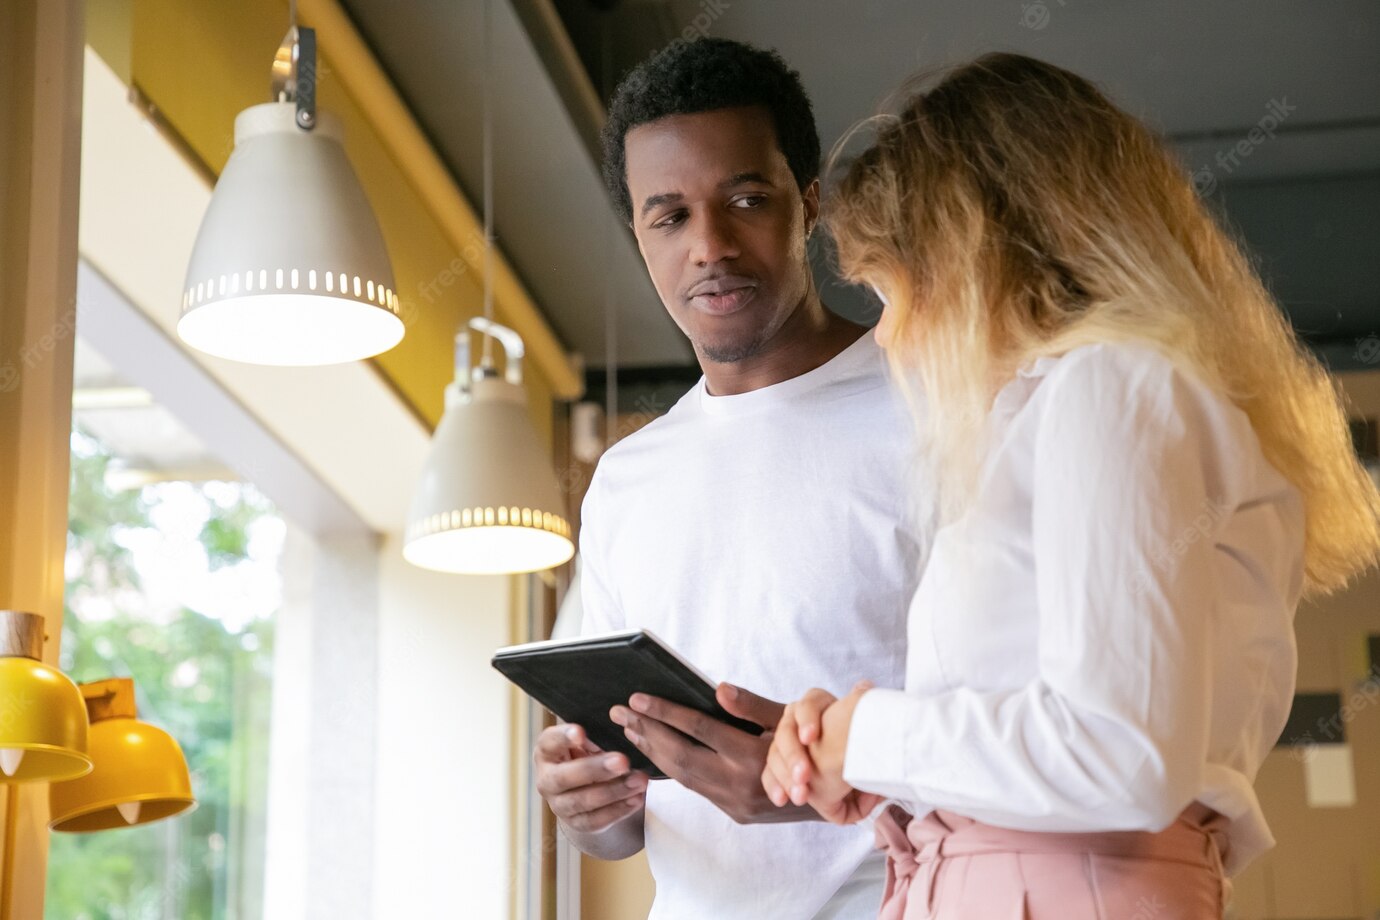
x=43, y=727
x=289, y=267
x=488, y=502
x=140, y=774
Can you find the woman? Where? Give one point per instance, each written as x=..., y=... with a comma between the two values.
x=1141, y=472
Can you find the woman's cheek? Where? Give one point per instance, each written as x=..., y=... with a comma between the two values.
x=884, y=325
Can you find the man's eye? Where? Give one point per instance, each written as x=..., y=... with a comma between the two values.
x=750, y=201
x=670, y=220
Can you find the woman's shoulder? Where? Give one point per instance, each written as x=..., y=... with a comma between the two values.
x=1117, y=362
x=1112, y=376
x=1134, y=386
x=1134, y=401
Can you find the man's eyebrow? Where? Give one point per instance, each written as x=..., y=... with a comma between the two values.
x=656, y=200
x=737, y=179
x=743, y=179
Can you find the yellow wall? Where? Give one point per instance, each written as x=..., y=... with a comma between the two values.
x=620, y=890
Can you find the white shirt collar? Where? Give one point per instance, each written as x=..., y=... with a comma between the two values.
x=1018, y=390
x=1039, y=367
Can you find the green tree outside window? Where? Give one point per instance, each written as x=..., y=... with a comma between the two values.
x=205, y=678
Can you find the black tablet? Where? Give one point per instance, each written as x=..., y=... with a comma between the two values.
x=580, y=680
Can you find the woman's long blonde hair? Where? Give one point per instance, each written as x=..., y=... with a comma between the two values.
x=1011, y=212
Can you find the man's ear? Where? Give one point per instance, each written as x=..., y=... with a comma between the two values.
x=809, y=197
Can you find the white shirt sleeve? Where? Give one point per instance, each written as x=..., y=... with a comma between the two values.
x=1131, y=471
x=601, y=612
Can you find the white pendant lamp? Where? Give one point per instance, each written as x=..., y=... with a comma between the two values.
x=488, y=502
x=289, y=267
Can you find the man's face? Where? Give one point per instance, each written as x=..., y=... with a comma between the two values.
x=721, y=225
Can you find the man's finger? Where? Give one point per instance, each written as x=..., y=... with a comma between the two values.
x=591, y=798
x=678, y=757
x=561, y=743
x=705, y=729
x=594, y=821
x=747, y=705
x=561, y=777
x=580, y=738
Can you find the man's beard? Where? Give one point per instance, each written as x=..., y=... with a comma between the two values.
x=733, y=352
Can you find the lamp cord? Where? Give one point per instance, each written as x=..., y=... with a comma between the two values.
x=487, y=356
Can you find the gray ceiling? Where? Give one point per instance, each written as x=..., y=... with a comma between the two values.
x=1204, y=73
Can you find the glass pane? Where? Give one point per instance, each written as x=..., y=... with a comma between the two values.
x=173, y=578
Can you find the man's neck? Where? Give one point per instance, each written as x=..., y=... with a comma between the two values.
x=810, y=338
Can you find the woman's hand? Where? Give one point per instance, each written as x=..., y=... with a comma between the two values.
x=805, y=763
x=789, y=764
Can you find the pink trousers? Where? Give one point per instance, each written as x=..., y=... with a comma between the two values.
x=947, y=867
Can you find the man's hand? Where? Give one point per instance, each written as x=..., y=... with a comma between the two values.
x=718, y=761
x=590, y=791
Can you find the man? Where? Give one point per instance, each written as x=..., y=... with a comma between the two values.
x=760, y=527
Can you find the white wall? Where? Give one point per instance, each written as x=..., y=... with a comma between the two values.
x=442, y=800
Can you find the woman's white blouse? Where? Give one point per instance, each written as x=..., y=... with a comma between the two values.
x=1107, y=634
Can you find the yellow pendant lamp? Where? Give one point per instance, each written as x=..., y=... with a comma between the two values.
x=140, y=773
x=43, y=726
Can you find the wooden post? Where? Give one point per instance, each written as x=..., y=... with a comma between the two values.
x=41, y=48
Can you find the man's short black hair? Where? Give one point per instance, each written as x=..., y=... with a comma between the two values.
x=702, y=75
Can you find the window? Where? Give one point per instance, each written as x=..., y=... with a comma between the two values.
x=173, y=578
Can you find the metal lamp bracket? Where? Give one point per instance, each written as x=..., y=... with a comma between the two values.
x=465, y=375
x=294, y=74
x=513, y=348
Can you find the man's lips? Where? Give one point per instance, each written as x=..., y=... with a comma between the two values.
x=720, y=284
x=720, y=296
x=730, y=301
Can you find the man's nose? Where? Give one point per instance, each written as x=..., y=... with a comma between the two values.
x=712, y=239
